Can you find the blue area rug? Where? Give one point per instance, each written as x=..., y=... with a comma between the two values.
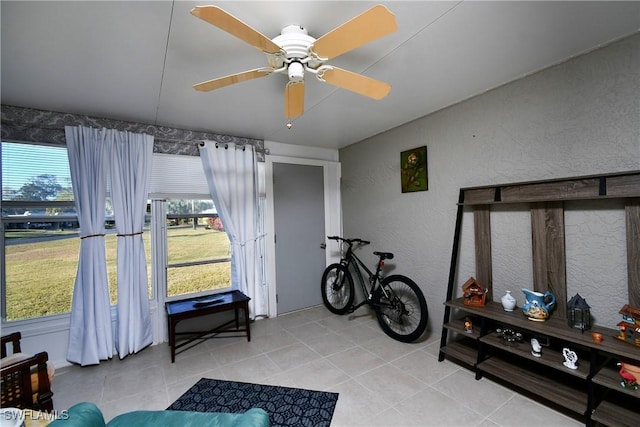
x=286, y=406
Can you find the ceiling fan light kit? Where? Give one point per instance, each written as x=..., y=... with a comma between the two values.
x=295, y=52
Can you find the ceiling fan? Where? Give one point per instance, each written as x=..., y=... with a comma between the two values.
x=295, y=53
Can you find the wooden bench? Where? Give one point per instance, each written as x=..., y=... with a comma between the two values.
x=178, y=311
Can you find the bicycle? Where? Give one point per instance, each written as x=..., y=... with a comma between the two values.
x=399, y=304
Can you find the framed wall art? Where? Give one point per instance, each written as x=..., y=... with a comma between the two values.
x=413, y=170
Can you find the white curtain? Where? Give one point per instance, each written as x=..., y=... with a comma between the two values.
x=130, y=176
x=232, y=177
x=90, y=332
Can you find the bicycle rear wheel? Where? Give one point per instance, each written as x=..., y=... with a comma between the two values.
x=401, y=308
x=337, y=289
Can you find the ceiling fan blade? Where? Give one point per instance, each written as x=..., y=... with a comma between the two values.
x=294, y=99
x=354, y=82
x=232, y=79
x=232, y=25
x=364, y=28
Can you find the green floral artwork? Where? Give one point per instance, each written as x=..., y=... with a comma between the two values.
x=413, y=169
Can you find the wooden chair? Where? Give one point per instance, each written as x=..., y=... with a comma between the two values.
x=26, y=379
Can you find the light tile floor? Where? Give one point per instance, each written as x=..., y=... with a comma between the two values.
x=381, y=382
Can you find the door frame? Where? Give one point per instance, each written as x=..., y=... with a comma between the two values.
x=332, y=216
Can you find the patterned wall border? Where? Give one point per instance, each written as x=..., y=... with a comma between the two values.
x=27, y=124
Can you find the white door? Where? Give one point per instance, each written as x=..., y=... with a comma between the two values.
x=299, y=235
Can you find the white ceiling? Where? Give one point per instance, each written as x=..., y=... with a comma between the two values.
x=137, y=60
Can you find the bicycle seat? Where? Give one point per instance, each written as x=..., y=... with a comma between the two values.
x=384, y=255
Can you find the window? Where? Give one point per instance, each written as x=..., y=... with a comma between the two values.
x=196, y=258
x=39, y=238
x=198, y=249
x=39, y=231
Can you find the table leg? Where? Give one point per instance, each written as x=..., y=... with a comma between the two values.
x=237, y=318
x=172, y=338
x=246, y=320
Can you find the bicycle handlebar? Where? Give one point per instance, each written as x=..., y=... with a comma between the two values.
x=349, y=241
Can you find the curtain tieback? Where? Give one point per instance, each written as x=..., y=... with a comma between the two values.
x=92, y=235
x=259, y=236
x=129, y=234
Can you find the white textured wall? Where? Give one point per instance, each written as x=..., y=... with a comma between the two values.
x=578, y=118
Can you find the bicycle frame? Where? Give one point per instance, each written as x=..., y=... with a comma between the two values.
x=351, y=259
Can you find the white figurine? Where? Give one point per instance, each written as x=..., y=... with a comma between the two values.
x=536, y=348
x=570, y=358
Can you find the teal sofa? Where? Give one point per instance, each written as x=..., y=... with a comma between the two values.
x=87, y=414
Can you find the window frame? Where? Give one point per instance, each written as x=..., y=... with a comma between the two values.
x=168, y=216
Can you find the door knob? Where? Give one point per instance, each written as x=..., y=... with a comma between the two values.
x=323, y=246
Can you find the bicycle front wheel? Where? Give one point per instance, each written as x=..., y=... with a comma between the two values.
x=401, y=308
x=337, y=289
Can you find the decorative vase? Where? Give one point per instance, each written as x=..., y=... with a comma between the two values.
x=508, y=301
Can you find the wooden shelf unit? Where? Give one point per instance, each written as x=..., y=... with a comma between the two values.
x=567, y=396
x=550, y=358
x=593, y=391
